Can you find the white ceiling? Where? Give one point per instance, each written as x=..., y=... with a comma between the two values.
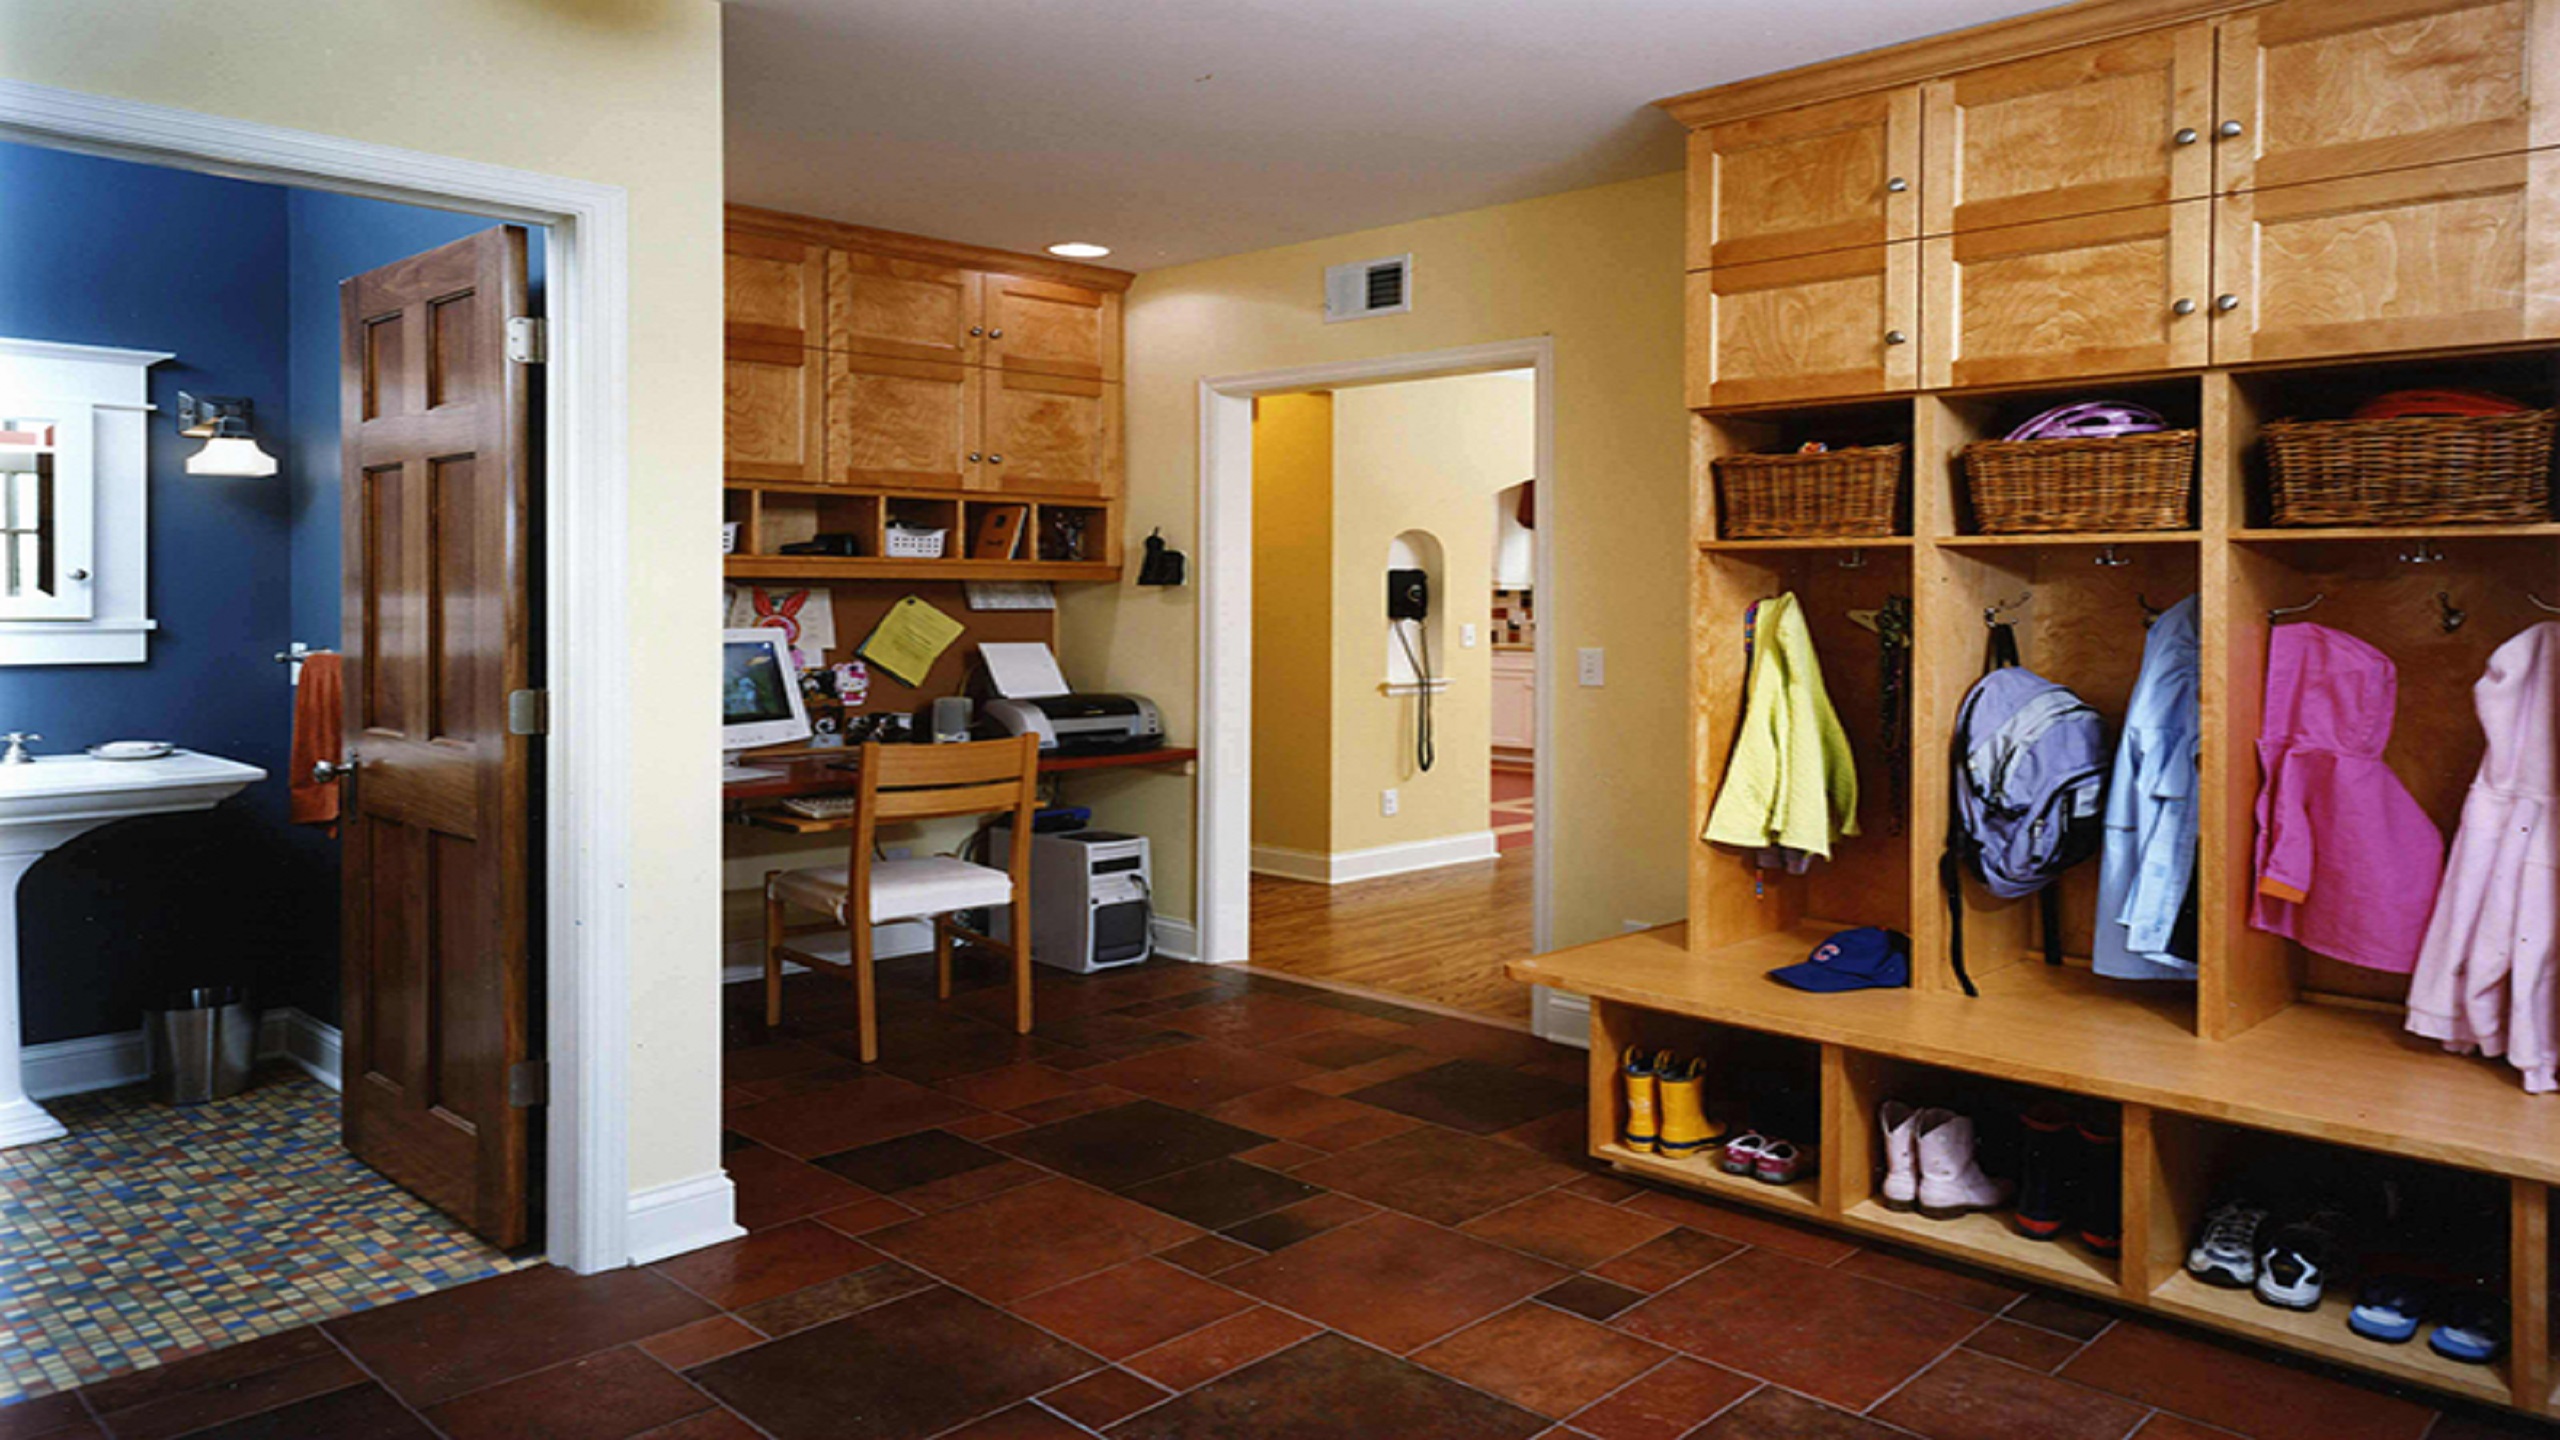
x=1176, y=130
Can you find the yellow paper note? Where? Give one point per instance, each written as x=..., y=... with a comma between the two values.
x=909, y=639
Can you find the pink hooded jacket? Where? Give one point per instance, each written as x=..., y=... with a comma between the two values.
x=2484, y=977
x=2347, y=862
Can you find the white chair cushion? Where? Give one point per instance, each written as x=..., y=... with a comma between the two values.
x=900, y=889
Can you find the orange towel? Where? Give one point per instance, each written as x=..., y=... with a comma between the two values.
x=319, y=710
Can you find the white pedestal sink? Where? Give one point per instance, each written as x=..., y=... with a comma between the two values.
x=48, y=803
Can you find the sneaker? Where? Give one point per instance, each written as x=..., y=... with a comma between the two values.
x=2226, y=1254
x=2472, y=1328
x=1741, y=1154
x=2301, y=1258
x=1782, y=1162
x=2389, y=1309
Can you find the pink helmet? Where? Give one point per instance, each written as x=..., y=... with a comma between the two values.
x=2091, y=420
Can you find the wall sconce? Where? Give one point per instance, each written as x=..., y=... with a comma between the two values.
x=222, y=422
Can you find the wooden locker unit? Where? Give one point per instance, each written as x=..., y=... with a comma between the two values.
x=1819, y=326
x=915, y=371
x=2321, y=89
x=1799, y=182
x=2378, y=220
x=2114, y=126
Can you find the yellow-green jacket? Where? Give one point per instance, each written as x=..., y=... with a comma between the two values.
x=1791, y=781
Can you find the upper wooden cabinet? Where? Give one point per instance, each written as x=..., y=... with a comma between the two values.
x=2441, y=256
x=903, y=309
x=1840, y=323
x=775, y=407
x=2318, y=89
x=1050, y=435
x=2110, y=294
x=1049, y=327
x=902, y=424
x=776, y=291
x=2112, y=126
x=1800, y=182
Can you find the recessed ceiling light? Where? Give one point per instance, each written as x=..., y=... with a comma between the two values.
x=1080, y=250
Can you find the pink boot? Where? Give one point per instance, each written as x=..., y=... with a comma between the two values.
x=1901, y=1156
x=1951, y=1180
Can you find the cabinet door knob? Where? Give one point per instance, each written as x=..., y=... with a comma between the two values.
x=1897, y=184
x=973, y=457
x=2226, y=303
x=996, y=334
x=1896, y=337
x=2183, y=307
x=2230, y=129
x=2188, y=136
x=995, y=459
x=977, y=329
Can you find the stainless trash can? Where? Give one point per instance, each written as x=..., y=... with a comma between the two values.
x=202, y=1046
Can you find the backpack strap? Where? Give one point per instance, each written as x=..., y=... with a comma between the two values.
x=2049, y=912
x=2002, y=654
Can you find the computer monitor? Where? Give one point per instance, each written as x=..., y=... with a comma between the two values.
x=759, y=698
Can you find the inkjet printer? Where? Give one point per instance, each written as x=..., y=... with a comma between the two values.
x=1081, y=724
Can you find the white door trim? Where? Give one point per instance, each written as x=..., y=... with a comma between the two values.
x=586, y=800
x=1225, y=798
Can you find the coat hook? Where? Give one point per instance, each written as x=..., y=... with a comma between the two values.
x=2453, y=615
x=2284, y=611
x=2538, y=603
x=2150, y=612
x=2427, y=553
x=1997, y=612
x=1855, y=560
x=2108, y=557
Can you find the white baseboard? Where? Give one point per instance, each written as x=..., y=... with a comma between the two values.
x=103, y=1062
x=743, y=960
x=686, y=1215
x=1175, y=939
x=1342, y=867
x=1561, y=1016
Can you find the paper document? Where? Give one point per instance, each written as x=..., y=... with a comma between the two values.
x=1010, y=595
x=909, y=639
x=1022, y=670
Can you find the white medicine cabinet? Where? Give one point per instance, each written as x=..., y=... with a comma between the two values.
x=74, y=503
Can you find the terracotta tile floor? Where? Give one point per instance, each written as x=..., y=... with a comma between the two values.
x=1152, y=1230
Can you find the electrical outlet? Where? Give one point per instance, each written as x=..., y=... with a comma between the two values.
x=1387, y=802
x=1467, y=635
x=1591, y=666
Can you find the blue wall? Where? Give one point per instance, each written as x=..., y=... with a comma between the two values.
x=240, y=280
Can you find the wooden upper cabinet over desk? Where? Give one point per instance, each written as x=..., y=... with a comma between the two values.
x=1826, y=177
x=776, y=291
x=902, y=309
x=1051, y=434
x=1049, y=327
x=2112, y=126
x=2445, y=255
x=2318, y=89
x=902, y=424
x=1841, y=323
x=2110, y=294
x=775, y=401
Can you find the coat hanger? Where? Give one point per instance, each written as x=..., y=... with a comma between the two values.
x=2287, y=612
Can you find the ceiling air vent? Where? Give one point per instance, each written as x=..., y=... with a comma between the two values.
x=1369, y=287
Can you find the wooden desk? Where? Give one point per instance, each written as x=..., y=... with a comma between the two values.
x=836, y=774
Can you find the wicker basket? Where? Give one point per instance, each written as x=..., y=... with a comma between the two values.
x=2419, y=470
x=1856, y=491
x=2117, y=482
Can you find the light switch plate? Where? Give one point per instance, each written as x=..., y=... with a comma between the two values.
x=1387, y=802
x=1467, y=635
x=1591, y=666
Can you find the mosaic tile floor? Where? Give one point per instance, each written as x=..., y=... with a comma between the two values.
x=152, y=1232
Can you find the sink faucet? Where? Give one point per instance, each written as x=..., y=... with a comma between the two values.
x=17, y=754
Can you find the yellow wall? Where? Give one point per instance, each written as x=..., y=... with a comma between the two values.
x=1600, y=271
x=624, y=92
x=1424, y=455
x=1293, y=620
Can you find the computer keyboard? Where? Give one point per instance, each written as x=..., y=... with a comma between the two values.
x=822, y=807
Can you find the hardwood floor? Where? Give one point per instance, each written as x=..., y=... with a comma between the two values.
x=1438, y=936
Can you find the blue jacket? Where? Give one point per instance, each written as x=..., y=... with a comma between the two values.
x=2149, y=858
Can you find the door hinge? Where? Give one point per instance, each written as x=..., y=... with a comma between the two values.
x=528, y=712
x=528, y=340
x=529, y=1084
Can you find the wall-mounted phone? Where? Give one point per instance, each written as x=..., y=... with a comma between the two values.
x=1408, y=594
x=1409, y=599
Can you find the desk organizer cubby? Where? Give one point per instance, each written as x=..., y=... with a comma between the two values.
x=1941, y=263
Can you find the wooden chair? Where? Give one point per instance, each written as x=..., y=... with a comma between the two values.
x=913, y=782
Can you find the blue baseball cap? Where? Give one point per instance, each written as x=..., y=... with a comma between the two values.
x=1867, y=958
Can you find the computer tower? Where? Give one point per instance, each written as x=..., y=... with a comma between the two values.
x=1091, y=898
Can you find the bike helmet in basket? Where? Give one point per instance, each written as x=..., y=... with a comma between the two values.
x=2405, y=404
x=2091, y=420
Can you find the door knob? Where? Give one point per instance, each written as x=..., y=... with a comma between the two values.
x=2230, y=129
x=2183, y=307
x=325, y=772
x=2187, y=135
x=1896, y=337
x=1897, y=185
x=2226, y=303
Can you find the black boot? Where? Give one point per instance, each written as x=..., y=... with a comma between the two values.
x=2101, y=1184
x=2047, y=1174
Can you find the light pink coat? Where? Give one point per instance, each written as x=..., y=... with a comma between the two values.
x=2484, y=979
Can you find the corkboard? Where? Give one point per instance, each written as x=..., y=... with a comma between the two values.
x=860, y=604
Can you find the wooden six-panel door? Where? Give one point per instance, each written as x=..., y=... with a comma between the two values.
x=437, y=510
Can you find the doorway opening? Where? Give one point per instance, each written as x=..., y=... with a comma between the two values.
x=1327, y=849
x=256, y=1192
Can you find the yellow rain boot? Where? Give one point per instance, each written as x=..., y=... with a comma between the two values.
x=1686, y=1130
x=1643, y=1124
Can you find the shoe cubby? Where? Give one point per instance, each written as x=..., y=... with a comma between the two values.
x=1753, y=1083
x=2076, y=1143
x=2450, y=1229
x=1951, y=422
x=789, y=517
x=1871, y=877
